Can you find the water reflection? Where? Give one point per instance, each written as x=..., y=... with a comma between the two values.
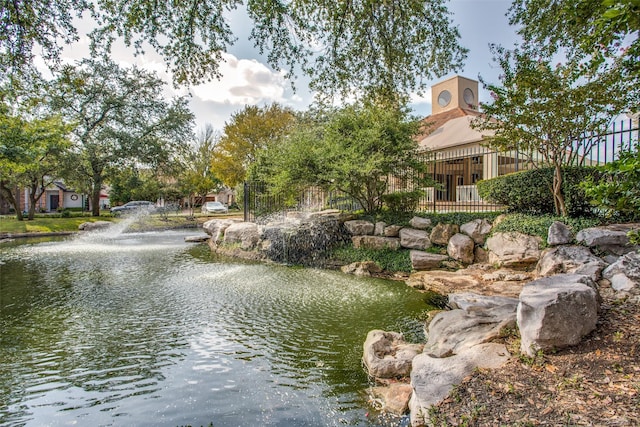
x=143, y=329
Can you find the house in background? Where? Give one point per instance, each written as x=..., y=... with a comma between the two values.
x=458, y=157
x=58, y=196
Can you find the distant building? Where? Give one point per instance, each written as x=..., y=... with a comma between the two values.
x=461, y=160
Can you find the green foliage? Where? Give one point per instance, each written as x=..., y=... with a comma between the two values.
x=595, y=32
x=396, y=45
x=354, y=150
x=538, y=225
x=197, y=175
x=530, y=191
x=388, y=259
x=543, y=111
x=249, y=131
x=617, y=191
x=121, y=120
x=402, y=202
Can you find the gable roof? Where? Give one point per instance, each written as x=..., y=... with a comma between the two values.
x=449, y=129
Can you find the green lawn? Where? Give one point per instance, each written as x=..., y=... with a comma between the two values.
x=52, y=224
x=44, y=224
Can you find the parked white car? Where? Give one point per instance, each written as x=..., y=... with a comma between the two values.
x=214, y=207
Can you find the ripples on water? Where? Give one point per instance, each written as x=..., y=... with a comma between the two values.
x=143, y=329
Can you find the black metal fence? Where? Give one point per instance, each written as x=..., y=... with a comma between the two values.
x=454, y=173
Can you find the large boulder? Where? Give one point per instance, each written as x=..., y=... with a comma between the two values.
x=452, y=332
x=245, y=234
x=388, y=355
x=556, y=312
x=610, y=238
x=513, y=249
x=624, y=274
x=392, y=230
x=359, y=227
x=460, y=248
x=478, y=230
x=395, y=397
x=363, y=268
x=375, y=242
x=421, y=260
x=216, y=228
x=433, y=378
x=441, y=233
x=420, y=223
x=570, y=259
x=378, y=229
x=414, y=239
x=448, y=282
x=559, y=234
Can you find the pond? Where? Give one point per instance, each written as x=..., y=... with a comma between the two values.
x=143, y=329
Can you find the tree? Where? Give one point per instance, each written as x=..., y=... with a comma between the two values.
x=249, y=131
x=120, y=120
x=593, y=31
x=198, y=176
x=31, y=149
x=544, y=111
x=357, y=150
x=397, y=44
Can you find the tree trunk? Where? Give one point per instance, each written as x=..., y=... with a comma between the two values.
x=558, y=197
x=12, y=199
x=95, y=196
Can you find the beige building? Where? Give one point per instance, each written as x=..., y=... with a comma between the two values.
x=461, y=159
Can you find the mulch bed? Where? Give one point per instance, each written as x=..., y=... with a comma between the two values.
x=596, y=383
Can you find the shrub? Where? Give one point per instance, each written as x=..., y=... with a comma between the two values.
x=402, y=201
x=531, y=191
x=617, y=190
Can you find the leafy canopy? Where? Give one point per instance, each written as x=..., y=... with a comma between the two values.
x=121, y=121
x=249, y=131
x=358, y=150
x=544, y=110
x=341, y=45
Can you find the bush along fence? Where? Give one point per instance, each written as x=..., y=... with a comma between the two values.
x=455, y=174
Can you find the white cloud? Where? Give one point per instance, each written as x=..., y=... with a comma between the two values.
x=243, y=82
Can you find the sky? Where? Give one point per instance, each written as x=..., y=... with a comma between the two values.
x=247, y=80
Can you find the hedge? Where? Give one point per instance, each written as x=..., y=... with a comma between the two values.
x=530, y=191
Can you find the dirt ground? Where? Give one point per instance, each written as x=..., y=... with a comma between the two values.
x=596, y=383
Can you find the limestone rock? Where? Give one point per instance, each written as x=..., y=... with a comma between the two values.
x=94, y=225
x=478, y=230
x=433, y=378
x=447, y=282
x=364, y=268
x=395, y=397
x=570, y=259
x=392, y=230
x=388, y=355
x=420, y=223
x=624, y=274
x=375, y=242
x=216, y=228
x=441, y=233
x=480, y=255
x=378, y=229
x=414, y=239
x=461, y=247
x=611, y=238
x=421, y=260
x=452, y=332
x=556, y=312
x=513, y=249
x=358, y=227
x=246, y=234
x=559, y=234
x=472, y=301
